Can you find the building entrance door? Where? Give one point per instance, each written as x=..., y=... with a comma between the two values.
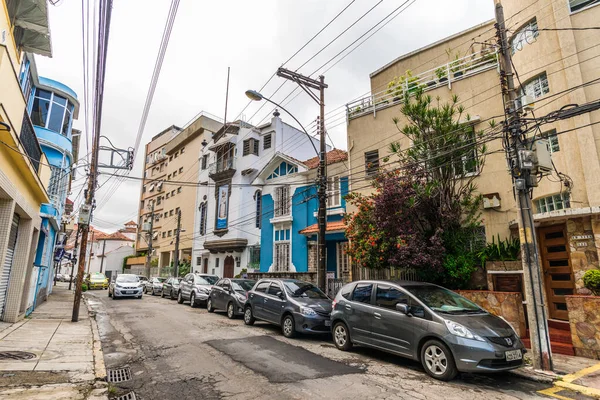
x=228, y=267
x=205, y=268
x=556, y=264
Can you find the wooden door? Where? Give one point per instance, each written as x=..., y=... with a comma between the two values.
x=556, y=264
x=205, y=270
x=228, y=267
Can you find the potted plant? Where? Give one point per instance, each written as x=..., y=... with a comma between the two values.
x=441, y=74
x=395, y=88
x=456, y=68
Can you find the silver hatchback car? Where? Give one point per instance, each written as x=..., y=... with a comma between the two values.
x=428, y=323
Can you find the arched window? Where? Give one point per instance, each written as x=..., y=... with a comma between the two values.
x=258, y=199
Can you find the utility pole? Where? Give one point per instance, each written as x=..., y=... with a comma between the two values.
x=74, y=257
x=306, y=84
x=149, y=233
x=85, y=213
x=523, y=182
x=91, y=251
x=102, y=259
x=176, y=256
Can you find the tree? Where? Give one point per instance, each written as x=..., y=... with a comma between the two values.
x=423, y=212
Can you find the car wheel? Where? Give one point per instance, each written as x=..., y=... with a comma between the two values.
x=438, y=360
x=341, y=336
x=109, y=295
x=209, y=306
x=287, y=326
x=192, y=300
x=179, y=298
x=162, y=294
x=171, y=294
x=153, y=293
x=249, y=316
x=230, y=310
x=144, y=290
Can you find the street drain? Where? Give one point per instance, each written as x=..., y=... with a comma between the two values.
x=118, y=375
x=126, y=396
x=16, y=355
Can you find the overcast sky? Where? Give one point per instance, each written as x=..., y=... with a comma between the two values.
x=251, y=37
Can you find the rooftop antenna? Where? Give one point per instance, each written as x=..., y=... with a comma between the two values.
x=226, y=97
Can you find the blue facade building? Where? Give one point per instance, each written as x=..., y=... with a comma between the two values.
x=52, y=107
x=288, y=214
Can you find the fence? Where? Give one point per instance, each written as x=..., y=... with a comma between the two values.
x=400, y=274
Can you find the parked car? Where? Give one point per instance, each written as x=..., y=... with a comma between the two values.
x=428, y=323
x=230, y=295
x=125, y=285
x=65, y=278
x=96, y=280
x=154, y=285
x=58, y=278
x=294, y=305
x=170, y=288
x=195, y=287
x=142, y=278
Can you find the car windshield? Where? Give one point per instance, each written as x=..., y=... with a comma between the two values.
x=97, y=277
x=443, y=300
x=127, y=279
x=176, y=281
x=242, y=286
x=159, y=280
x=302, y=289
x=211, y=280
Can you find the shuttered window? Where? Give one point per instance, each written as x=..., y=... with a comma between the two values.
x=371, y=162
x=267, y=141
x=250, y=147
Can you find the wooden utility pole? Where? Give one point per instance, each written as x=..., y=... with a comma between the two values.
x=74, y=257
x=522, y=178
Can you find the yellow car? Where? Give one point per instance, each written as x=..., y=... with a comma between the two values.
x=97, y=280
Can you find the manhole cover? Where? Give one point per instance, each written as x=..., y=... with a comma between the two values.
x=126, y=396
x=118, y=375
x=16, y=355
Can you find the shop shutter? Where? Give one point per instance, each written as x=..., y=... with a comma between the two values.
x=7, y=265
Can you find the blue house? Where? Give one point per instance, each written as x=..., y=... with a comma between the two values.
x=288, y=215
x=52, y=107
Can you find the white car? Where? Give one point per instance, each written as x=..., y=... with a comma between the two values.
x=126, y=285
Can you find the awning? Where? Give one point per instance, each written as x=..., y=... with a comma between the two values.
x=32, y=32
x=215, y=246
x=332, y=227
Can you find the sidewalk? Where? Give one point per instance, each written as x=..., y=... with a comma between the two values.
x=51, y=357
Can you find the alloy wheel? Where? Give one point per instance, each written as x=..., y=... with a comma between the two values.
x=340, y=335
x=192, y=299
x=436, y=360
x=288, y=327
x=230, y=311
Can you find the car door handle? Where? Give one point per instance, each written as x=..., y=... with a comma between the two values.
x=265, y=300
x=377, y=315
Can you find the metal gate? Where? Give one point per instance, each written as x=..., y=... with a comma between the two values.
x=8, y=260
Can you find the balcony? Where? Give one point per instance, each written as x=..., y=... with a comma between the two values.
x=444, y=75
x=30, y=142
x=223, y=168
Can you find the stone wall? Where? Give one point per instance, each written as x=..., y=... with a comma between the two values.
x=303, y=276
x=584, y=319
x=503, y=304
x=584, y=237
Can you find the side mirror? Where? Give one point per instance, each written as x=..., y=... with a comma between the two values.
x=280, y=295
x=403, y=308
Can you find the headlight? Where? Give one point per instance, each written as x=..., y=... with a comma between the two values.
x=119, y=287
x=203, y=289
x=240, y=297
x=307, y=311
x=459, y=330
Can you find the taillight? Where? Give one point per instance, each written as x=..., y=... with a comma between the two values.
x=333, y=303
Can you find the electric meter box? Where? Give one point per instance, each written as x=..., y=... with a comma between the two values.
x=541, y=148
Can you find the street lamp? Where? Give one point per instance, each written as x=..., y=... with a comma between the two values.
x=255, y=96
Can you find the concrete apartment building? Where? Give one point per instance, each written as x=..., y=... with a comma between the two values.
x=552, y=66
x=172, y=157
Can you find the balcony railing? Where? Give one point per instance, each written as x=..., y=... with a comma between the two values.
x=444, y=75
x=30, y=142
x=222, y=166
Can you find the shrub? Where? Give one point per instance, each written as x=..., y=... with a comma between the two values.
x=84, y=287
x=591, y=280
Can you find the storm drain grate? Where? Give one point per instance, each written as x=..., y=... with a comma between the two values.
x=16, y=355
x=118, y=375
x=126, y=396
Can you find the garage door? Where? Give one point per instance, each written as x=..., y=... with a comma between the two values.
x=8, y=260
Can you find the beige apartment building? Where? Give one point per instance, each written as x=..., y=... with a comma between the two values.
x=171, y=169
x=553, y=67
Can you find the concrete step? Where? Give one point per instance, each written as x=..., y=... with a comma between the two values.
x=557, y=347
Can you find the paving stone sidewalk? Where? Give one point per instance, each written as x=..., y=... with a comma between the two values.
x=57, y=359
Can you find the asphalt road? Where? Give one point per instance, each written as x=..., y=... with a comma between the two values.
x=178, y=352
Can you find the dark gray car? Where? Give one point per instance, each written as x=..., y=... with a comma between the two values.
x=195, y=288
x=170, y=288
x=231, y=295
x=428, y=323
x=294, y=305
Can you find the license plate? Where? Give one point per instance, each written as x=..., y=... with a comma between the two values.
x=513, y=355
x=128, y=292
x=327, y=323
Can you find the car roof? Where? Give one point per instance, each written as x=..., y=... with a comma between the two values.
x=397, y=282
x=284, y=280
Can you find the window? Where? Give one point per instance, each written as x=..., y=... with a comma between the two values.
x=164, y=235
x=174, y=174
x=198, y=260
x=217, y=263
x=552, y=138
x=555, y=202
x=267, y=142
x=258, y=200
x=172, y=193
x=527, y=34
x=282, y=257
x=254, y=252
x=204, y=161
x=170, y=233
x=581, y=4
x=51, y=111
x=179, y=189
x=347, y=291
x=371, y=162
x=168, y=195
x=250, y=147
x=57, y=188
x=144, y=189
x=333, y=191
x=203, y=213
x=166, y=214
x=175, y=155
x=181, y=170
x=469, y=162
x=169, y=177
x=388, y=297
x=343, y=260
x=282, y=201
x=176, y=209
x=171, y=158
x=362, y=293
x=170, y=212
x=536, y=87
x=182, y=150
x=274, y=289
x=26, y=78
x=162, y=167
x=158, y=199
x=262, y=287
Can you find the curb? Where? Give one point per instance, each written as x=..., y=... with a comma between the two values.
x=530, y=374
x=99, y=367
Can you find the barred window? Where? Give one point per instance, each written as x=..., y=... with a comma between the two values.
x=282, y=201
x=333, y=191
x=536, y=87
x=282, y=257
x=526, y=35
x=552, y=138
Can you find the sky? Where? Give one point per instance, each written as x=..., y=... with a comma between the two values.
x=253, y=38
